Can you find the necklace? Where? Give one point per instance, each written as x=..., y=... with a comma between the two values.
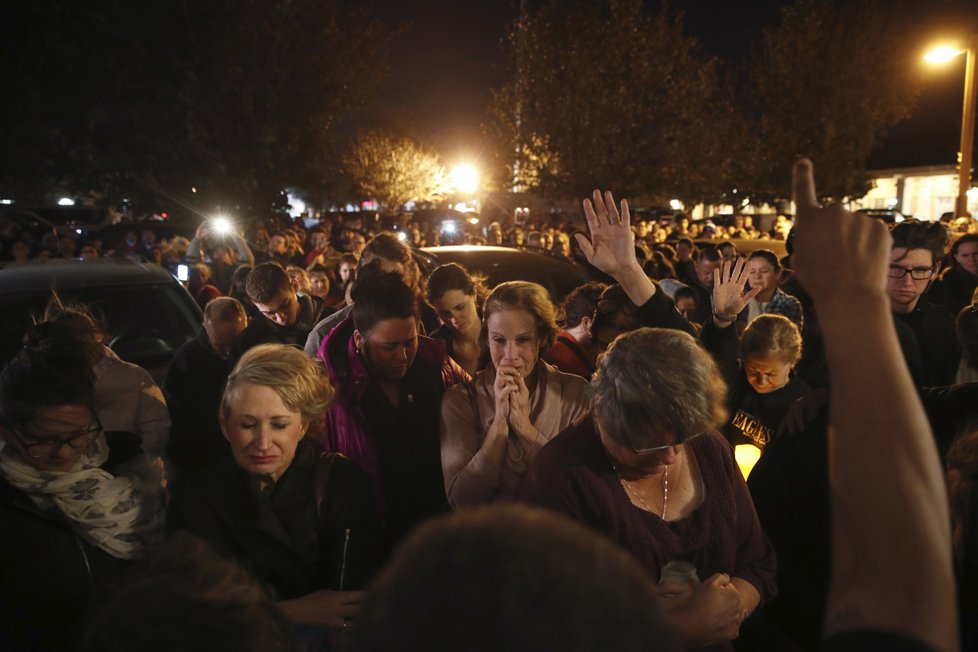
x=635, y=494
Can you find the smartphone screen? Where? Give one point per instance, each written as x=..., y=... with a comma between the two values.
x=183, y=273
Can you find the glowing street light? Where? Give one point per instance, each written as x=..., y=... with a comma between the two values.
x=465, y=178
x=941, y=55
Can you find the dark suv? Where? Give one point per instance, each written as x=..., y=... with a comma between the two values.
x=147, y=314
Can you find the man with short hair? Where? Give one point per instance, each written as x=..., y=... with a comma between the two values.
x=728, y=252
x=572, y=352
x=287, y=317
x=193, y=388
x=957, y=284
x=915, y=260
x=706, y=261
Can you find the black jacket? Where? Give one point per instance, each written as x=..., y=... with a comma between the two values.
x=49, y=575
x=278, y=536
x=193, y=388
x=954, y=289
x=937, y=339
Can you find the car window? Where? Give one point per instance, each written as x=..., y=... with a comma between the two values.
x=145, y=324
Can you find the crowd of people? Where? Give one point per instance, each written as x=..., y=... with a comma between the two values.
x=351, y=456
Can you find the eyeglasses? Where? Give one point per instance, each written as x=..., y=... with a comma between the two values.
x=40, y=448
x=916, y=273
x=656, y=449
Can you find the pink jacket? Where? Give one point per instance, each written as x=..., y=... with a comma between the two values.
x=345, y=423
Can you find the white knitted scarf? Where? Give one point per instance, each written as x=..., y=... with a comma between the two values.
x=117, y=514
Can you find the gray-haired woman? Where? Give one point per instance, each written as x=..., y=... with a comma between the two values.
x=650, y=471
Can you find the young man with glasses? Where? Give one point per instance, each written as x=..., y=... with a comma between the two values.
x=915, y=260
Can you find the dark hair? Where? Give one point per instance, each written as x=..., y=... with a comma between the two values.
x=510, y=577
x=726, y=245
x=380, y=297
x=239, y=281
x=964, y=239
x=686, y=241
x=452, y=276
x=767, y=255
x=709, y=253
x=266, y=282
x=967, y=327
x=52, y=369
x=614, y=309
x=580, y=303
x=914, y=234
x=186, y=597
x=684, y=292
x=77, y=322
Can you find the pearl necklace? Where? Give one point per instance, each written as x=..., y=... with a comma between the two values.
x=635, y=494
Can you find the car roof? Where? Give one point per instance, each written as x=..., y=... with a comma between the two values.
x=500, y=264
x=76, y=273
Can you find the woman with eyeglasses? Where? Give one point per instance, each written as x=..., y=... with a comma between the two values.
x=493, y=426
x=649, y=470
x=77, y=504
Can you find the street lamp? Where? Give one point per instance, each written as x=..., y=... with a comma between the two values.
x=941, y=55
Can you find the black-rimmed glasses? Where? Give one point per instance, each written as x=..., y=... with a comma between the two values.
x=657, y=449
x=40, y=448
x=916, y=273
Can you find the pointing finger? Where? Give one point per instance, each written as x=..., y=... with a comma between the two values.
x=803, y=186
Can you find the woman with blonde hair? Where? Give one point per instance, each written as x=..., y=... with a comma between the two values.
x=493, y=426
x=302, y=522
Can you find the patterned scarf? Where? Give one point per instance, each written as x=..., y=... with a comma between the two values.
x=121, y=515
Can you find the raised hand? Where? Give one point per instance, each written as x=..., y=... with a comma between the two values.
x=860, y=247
x=729, y=297
x=612, y=245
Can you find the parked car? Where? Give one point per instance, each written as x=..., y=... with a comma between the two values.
x=146, y=313
x=500, y=264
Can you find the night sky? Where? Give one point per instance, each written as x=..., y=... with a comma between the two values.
x=451, y=54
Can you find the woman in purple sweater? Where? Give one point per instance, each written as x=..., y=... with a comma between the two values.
x=650, y=471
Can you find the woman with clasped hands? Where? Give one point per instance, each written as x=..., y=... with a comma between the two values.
x=306, y=526
x=493, y=426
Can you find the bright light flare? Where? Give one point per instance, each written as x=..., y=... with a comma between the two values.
x=448, y=227
x=942, y=54
x=66, y=201
x=675, y=204
x=402, y=236
x=746, y=456
x=221, y=225
x=465, y=178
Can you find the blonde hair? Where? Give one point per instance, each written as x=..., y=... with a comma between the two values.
x=299, y=381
